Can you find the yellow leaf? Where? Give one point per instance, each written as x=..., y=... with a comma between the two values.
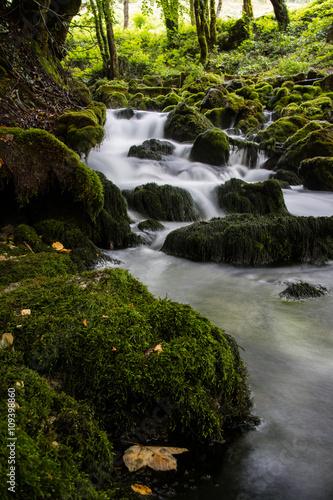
x=6, y=341
x=57, y=246
x=140, y=488
x=158, y=348
x=25, y=312
x=85, y=322
x=159, y=458
x=1, y=162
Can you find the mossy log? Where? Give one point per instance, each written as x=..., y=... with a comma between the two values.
x=262, y=198
x=166, y=202
x=99, y=346
x=254, y=240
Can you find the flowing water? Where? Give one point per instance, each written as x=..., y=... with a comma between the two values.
x=287, y=346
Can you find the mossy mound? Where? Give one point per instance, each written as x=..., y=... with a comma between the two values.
x=288, y=176
x=211, y=147
x=59, y=447
x=280, y=130
x=227, y=115
x=254, y=240
x=316, y=143
x=82, y=130
x=111, y=93
x=166, y=202
x=302, y=291
x=302, y=133
x=150, y=225
x=100, y=344
x=40, y=174
x=317, y=173
x=260, y=198
x=213, y=98
x=185, y=123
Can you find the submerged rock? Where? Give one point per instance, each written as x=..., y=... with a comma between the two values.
x=260, y=198
x=211, y=147
x=185, y=123
x=162, y=202
x=254, y=240
x=303, y=291
x=152, y=149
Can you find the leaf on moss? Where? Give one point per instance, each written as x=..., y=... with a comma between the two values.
x=159, y=458
x=158, y=348
x=25, y=312
x=7, y=138
x=85, y=322
x=140, y=488
x=57, y=246
x=6, y=341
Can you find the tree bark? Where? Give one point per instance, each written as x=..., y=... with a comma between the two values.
x=219, y=9
x=248, y=9
x=212, y=26
x=113, y=66
x=99, y=32
x=192, y=13
x=281, y=13
x=200, y=20
x=126, y=13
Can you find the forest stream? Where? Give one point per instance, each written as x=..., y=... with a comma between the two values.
x=286, y=346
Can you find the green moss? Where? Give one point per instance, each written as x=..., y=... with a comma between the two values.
x=302, y=291
x=162, y=202
x=287, y=176
x=254, y=240
x=260, y=198
x=59, y=444
x=288, y=85
x=172, y=99
x=150, y=225
x=303, y=132
x=281, y=129
x=26, y=234
x=185, y=123
x=199, y=375
x=211, y=147
x=315, y=108
x=317, y=173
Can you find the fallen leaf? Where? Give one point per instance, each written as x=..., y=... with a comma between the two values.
x=6, y=341
x=1, y=162
x=57, y=246
x=54, y=443
x=104, y=316
x=148, y=351
x=159, y=458
x=25, y=312
x=2, y=257
x=7, y=138
x=140, y=488
x=158, y=348
x=113, y=349
x=85, y=322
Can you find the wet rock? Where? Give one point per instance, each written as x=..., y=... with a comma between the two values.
x=162, y=202
x=211, y=147
x=254, y=240
x=317, y=173
x=152, y=149
x=280, y=131
x=288, y=176
x=126, y=113
x=303, y=291
x=150, y=225
x=185, y=123
x=260, y=198
x=213, y=99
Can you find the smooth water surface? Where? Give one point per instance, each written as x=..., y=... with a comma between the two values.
x=288, y=346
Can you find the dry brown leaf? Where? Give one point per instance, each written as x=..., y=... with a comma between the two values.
x=57, y=246
x=6, y=341
x=85, y=322
x=159, y=458
x=25, y=312
x=2, y=257
x=158, y=348
x=7, y=138
x=140, y=488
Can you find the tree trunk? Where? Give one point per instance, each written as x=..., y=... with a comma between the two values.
x=171, y=18
x=281, y=13
x=126, y=13
x=99, y=33
x=219, y=9
x=200, y=19
x=248, y=9
x=212, y=26
x=113, y=67
x=192, y=13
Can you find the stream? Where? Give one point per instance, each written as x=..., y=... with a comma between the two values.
x=286, y=346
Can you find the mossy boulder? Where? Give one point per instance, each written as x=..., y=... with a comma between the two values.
x=162, y=202
x=126, y=113
x=60, y=446
x=302, y=291
x=150, y=225
x=317, y=173
x=211, y=147
x=288, y=176
x=316, y=143
x=152, y=149
x=303, y=132
x=40, y=176
x=260, y=198
x=280, y=130
x=254, y=240
x=171, y=99
x=213, y=98
x=185, y=123
x=99, y=347
x=227, y=115
x=82, y=130
x=314, y=109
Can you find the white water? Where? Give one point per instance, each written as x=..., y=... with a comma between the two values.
x=287, y=346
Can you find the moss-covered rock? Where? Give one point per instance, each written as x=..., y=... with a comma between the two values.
x=162, y=202
x=317, y=173
x=185, y=123
x=211, y=147
x=280, y=130
x=213, y=98
x=150, y=225
x=227, y=115
x=316, y=143
x=60, y=446
x=288, y=176
x=41, y=177
x=100, y=347
x=152, y=149
x=302, y=291
x=303, y=132
x=254, y=240
x=260, y=198
x=126, y=113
